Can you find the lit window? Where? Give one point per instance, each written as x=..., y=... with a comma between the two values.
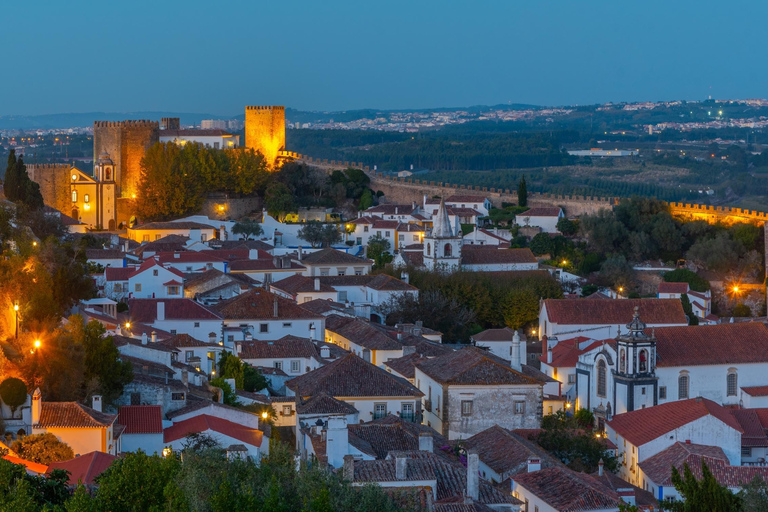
x=287, y=410
x=74, y=196
x=86, y=198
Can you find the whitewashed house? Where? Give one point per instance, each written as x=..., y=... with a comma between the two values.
x=291, y=354
x=176, y=316
x=545, y=218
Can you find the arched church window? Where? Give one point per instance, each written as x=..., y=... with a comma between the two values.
x=682, y=387
x=108, y=175
x=732, y=382
x=601, y=378
x=74, y=196
x=622, y=360
x=448, y=251
x=643, y=361
x=429, y=249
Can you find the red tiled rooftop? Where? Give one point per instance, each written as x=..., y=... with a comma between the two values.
x=737, y=343
x=756, y=390
x=541, y=212
x=615, y=311
x=205, y=422
x=145, y=310
x=86, y=468
x=677, y=288
x=644, y=425
x=141, y=419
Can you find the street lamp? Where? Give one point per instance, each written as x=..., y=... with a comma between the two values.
x=37, y=343
x=16, y=310
x=264, y=415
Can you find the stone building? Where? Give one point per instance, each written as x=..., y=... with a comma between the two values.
x=265, y=131
x=126, y=142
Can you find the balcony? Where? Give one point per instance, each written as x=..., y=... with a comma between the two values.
x=408, y=416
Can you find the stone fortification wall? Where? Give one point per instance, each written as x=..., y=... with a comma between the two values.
x=713, y=214
x=126, y=142
x=234, y=208
x=54, y=184
x=265, y=130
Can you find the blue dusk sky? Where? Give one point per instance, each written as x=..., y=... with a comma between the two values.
x=216, y=57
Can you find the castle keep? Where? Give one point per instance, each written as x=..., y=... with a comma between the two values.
x=265, y=131
x=125, y=142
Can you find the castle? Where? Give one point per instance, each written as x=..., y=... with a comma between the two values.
x=105, y=198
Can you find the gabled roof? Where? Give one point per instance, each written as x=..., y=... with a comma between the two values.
x=406, y=365
x=205, y=422
x=566, y=353
x=754, y=432
x=391, y=433
x=381, y=282
x=118, y=273
x=286, y=347
x=491, y=255
x=736, y=343
x=658, y=468
x=298, y=283
x=676, y=288
x=330, y=256
x=85, y=468
x=321, y=306
x=506, y=452
x=263, y=264
x=644, y=425
x=472, y=366
x=614, y=311
x=190, y=257
x=141, y=419
x=185, y=340
x=465, y=198
x=542, y=211
x=362, y=333
x=566, y=490
x=145, y=310
x=324, y=404
x=153, y=262
x=504, y=334
x=756, y=390
x=350, y=376
x=260, y=304
x=72, y=415
x=154, y=226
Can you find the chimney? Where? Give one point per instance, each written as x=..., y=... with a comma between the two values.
x=312, y=332
x=96, y=403
x=317, y=284
x=325, y=352
x=426, y=442
x=336, y=441
x=185, y=378
x=473, y=475
x=144, y=338
x=154, y=337
x=401, y=466
x=275, y=311
x=299, y=253
x=160, y=310
x=549, y=354
x=399, y=336
x=534, y=464
x=125, y=246
x=37, y=406
x=600, y=467
x=212, y=337
x=408, y=350
x=404, y=277
x=515, y=363
x=349, y=468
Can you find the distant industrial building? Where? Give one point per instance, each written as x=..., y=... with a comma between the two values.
x=602, y=152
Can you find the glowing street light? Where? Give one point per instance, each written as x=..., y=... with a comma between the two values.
x=37, y=343
x=16, y=311
x=264, y=415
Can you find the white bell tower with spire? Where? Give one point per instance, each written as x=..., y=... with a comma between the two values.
x=442, y=247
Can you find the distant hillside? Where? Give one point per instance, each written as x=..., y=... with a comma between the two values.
x=74, y=120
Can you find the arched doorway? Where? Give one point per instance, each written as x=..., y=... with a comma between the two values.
x=111, y=224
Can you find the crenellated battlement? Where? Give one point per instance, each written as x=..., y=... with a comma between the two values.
x=265, y=107
x=723, y=213
x=131, y=122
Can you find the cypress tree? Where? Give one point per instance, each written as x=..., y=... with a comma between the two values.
x=522, y=193
x=11, y=182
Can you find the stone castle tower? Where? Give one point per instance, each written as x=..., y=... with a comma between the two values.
x=126, y=142
x=54, y=184
x=265, y=131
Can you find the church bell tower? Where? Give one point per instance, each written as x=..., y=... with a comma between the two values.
x=635, y=381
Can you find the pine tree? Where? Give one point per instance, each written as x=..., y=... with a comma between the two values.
x=522, y=193
x=11, y=182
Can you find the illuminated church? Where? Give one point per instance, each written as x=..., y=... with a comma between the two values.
x=93, y=197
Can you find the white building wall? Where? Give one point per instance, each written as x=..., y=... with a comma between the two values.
x=152, y=285
x=276, y=329
x=305, y=364
x=149, y=443
x=710, y=381
x=198, y=329
x=501, y=267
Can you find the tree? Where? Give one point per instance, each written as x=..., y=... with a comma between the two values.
x=330, y=235
x=248, y=227
x=521, y=308
x=318, y=234
x=541, y=244
x=522, y=192
x=682, y=275
x=700, y=494
x=366, y=200
x=741, y=310
x=136, y=481
x=10, y=180
x=253, y=380
x=231, y=367
x=616, y=271
x=437, y=311
x=378, y=251
x=754, y=495
x=567, y=226
x=572, y=440
x=278, y=200
x=13, y=391
x=688, y=309
x=102, y=363
x=42, y=448
x=229, y=396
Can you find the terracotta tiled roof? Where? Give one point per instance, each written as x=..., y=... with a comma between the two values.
x=33, y=467
x=389, y=209
x=644, y=425
x=286, y=347
x=363, y=333
x=460, y=504
x=489, y=255
x=170, y=226
x=451, y=477
x=195, y=132
x=462, y=212
x=145, y=310
x=72, y=415
x=385, y=224
x=568, y=491
x=711, y=344
x=141, y=419
x=460, y=198
x=390, y=433
x=504, y=334
x=472, y=366
x=677, y=288
x=259, y=304
x=204, y=422
x=196, y=405
x=541, y=211
x=566, y=353
x=659, y=467
x=261, y=265
x=413, y=258
x=120, y=341
x=324, y=404
x=298, y=283
x=643, y=499
x=507, y=453
x=204, y=281
x=118, y=273
x=406, y=365
x=754, y=433
x=166, y=243
x=320, y=306
x=756, y=390
x=185, y=340
x=86, y=468
x=350, y=376
x=614, y=312
x=241, y=244
x=404, y=227
x=330, y=256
